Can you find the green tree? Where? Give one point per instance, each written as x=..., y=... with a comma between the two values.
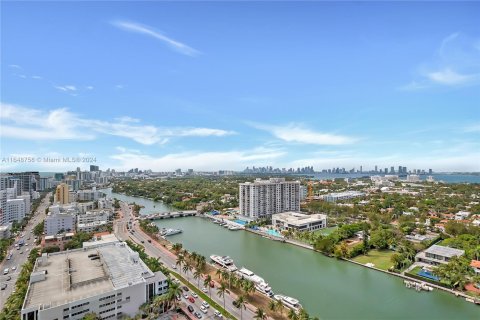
x=241, y=303
x=260, y=314
x=206, y=283
x=221, y=293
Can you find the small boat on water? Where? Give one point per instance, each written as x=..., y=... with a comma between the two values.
x=234, y=228
x=289, y=302
x=418, y=286
x=224, y=261
x=169, y=232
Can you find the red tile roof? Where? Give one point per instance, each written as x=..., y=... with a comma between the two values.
x=475, y=264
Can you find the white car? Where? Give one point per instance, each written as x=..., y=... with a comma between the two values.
x=204, y=289
x=194, y=295
x=185, y=295
x=203, y=309
x=205, y=304
x=14, y=268
x=217, y=314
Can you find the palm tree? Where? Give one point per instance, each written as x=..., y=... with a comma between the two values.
x=180, y=260
x=218, y=273
x=206, y=283
x=221, y=293
x=272, y=306
x=174, y=290
x=241, y=302
x=292, y=315
x=303, y=315
x=187, y=267
x=225, y=275
x=260, y=314
x=232, y=279
x=201, y=262
x=194, y=256
x=197, y=275
x=177, y=247
x=279, y=306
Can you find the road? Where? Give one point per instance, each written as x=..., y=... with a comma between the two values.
x=20, y=256
x=169, y=259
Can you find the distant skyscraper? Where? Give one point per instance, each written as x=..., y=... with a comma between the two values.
x=430, y=171
x=392, y=170
x=376, y=169
x=361, y=169
x=94, y=168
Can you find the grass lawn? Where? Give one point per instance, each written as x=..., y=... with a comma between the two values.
x=326, y=231
x=380, y=258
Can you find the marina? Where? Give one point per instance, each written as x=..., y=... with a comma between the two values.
x=326, y=284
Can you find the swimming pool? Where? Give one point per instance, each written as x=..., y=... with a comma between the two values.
x=240, y=222
x=428, y=275
x=274, y=233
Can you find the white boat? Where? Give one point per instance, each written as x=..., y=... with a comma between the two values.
x=289, y=302
x=234, y=228
x=169, y=232
x=264, y=288
x=249, y=275
x=224, y=261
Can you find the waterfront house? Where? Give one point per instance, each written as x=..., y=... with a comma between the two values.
x=436, y=255
x=475, y=264
x=298, y=221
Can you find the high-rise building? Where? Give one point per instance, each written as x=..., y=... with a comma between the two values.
x=392, y=169
x=62, y=193
x=262, y=198
x=430, y=171
x=376, y=169
x=94, y=168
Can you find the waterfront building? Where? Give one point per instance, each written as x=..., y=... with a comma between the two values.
x=462, y=215
x=89, y=195
x=298, y=221
x=262, y=198
x=336, y=196
x=109, y=280
x=62, y=194
x=475, y=264
x=436, y=255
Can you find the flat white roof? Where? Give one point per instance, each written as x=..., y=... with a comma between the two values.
x=73, y=275
x=444, y=251
x=297, y=218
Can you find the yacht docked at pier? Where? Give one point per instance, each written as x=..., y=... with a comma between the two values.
x=224, y=261
x=168, y=232
x=289, y=302
x=260, y=284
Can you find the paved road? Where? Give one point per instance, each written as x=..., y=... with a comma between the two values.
x=121, y=229
x=20, y=256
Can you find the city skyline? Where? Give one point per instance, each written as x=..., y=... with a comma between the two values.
x=223, y=86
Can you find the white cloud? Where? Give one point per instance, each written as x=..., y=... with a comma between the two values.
x=228, y=160
x=58, y=124
x=37, y=77
x=455, y=63
x=297, y=133
x=66, y=88
x=448, y=76
x=89, y=87
x=15, y=66
x=146, y=30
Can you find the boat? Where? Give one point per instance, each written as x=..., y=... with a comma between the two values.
x=264, y=288
x=168, y=232
x=216, y=221
x=234, y=228
x=224, y=261
x=417, y=286
x=249, y=275
x=289, y=302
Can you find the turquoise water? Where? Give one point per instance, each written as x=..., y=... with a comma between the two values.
x=274, y=233
x=240, y=222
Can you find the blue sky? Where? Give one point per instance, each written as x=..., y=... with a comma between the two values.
x=214, y=85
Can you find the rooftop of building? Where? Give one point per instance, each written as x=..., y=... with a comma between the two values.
x=298, y=218
x=64, y=277
x=444, y=251
x=270, y=181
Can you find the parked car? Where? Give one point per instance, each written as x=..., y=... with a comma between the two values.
x=185, y=295
x=198, y=315
x=185, y=288
x=194, y=295
x=217, y=314
x=4, y=286
x=236, y=304
x=203, y=309
x=205, y=304
x=191, y=299
x=190, y=308
x=204, y=289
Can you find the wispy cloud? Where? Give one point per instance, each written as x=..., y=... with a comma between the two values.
x=149, y=31
x=66, y=88
x=448, y=76
x=61, y=124
x=473, y=128
x=297, y=133
x=455, y=63
x=15, y=66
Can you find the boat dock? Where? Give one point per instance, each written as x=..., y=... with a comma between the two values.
x=168, y=215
